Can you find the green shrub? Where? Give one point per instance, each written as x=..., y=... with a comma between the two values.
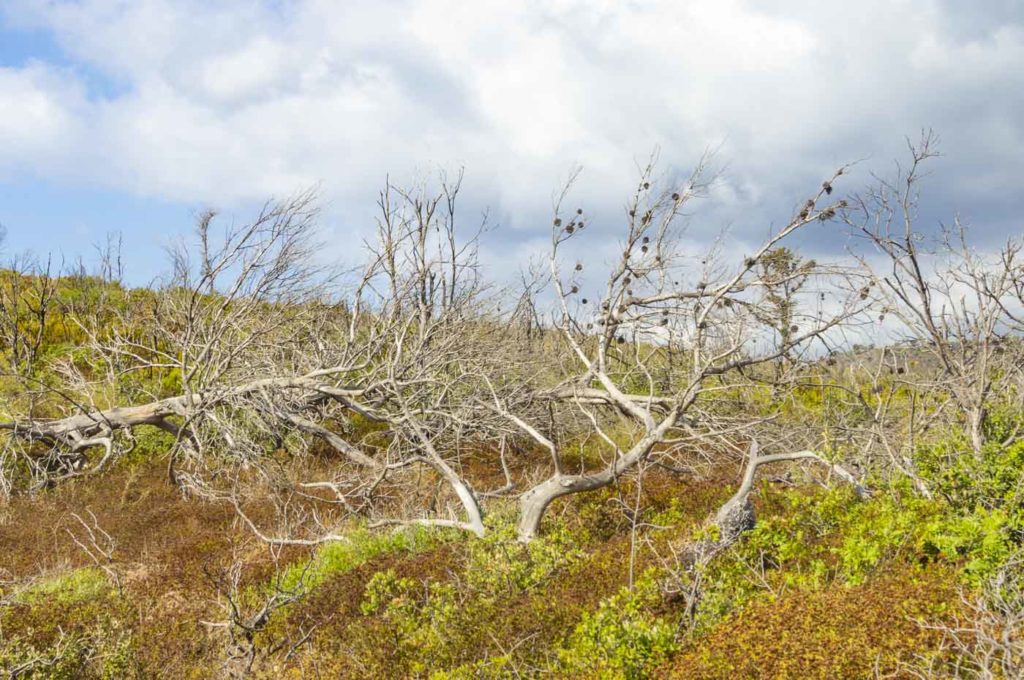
x=362, y=546
x=623, y=638
x=435, y=626
x=500, y=564
x=76, y=586
x=150, y=443
x=494, y=668
x=832, y=537
x=423, y=621
x=881, y=529
x=991, y=478
x=981, y=539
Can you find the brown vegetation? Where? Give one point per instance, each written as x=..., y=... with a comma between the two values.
x=263, y=466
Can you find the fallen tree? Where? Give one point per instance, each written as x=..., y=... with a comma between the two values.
x=415, y=366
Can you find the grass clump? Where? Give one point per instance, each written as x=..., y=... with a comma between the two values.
x=362, y=546
x=73, y=587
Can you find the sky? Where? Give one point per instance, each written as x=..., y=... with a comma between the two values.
x=135, y=115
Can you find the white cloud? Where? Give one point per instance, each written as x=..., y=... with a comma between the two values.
x=232, y=101
x=40, y=111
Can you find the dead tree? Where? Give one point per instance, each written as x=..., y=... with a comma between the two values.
x=27, y=301
x=659, y=308
x=245, y=619
x=263, y=352
x=726, y=527
x=955, y=308
x=215, y=330
x=414, y=365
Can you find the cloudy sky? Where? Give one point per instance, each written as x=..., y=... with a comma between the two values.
x=132, y=115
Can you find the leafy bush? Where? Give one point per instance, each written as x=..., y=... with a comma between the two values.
x=500, y=564
x=818, y=540
x=442, y=624
x=422, y=621
x=362, y=546
x=623, y=638
x=981, y=539
x=486, y=669
x=992, y=478
x=150, y=443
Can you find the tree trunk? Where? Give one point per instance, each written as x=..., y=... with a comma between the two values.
x=534, y=502
x=976, y=423
x=474, y=517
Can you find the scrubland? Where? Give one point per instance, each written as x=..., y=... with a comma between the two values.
x=673, y=464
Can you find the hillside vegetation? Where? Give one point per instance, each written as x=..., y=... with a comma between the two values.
x=676, y=464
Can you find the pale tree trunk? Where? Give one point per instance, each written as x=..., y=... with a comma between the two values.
x=470, y=504
x=534, y=502
x=976, y=424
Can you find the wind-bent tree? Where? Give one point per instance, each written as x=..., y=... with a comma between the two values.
x=255, y=361
x=260, y=353
x=650, y=353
